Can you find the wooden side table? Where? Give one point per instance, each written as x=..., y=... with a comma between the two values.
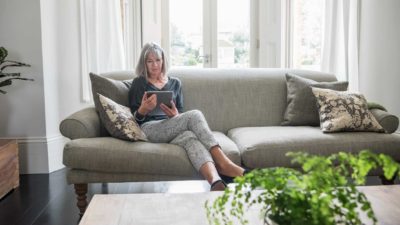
x=9, y=166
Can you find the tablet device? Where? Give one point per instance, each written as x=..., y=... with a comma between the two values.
x=162, y=97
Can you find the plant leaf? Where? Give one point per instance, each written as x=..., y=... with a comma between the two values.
x=3, y=54
x=9, y=74
x=9, y=81
x=10, y=63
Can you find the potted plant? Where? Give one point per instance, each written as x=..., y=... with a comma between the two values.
x=322, y=192
x=7, y=78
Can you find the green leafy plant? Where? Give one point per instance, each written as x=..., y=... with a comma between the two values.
x=322, y=192
x=6, y=79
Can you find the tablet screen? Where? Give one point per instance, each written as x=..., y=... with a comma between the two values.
x=162, y=97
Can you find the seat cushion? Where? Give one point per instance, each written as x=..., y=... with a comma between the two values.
x=266, y=146
x=107, y=154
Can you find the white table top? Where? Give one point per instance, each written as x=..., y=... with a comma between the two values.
x=188, y=208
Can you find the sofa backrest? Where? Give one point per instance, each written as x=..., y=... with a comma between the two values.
x=231, y=98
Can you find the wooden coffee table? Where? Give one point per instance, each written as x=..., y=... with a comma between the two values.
x=162, y=208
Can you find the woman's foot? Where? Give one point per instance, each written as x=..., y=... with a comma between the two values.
x=229, y=179
x=218, y=185
x=230, y=169
x=223, y=164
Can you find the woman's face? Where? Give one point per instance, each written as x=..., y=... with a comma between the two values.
x=154, y=65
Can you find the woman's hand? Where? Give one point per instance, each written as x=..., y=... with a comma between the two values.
x=148, y=104
x=170, y=112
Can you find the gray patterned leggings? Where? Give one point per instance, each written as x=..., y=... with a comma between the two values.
x=188, y=130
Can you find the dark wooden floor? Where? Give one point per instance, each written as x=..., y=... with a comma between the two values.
x=48, y=199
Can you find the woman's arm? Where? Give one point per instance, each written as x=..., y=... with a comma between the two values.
x=135, y=94
x=179, y=98
x=139, y=104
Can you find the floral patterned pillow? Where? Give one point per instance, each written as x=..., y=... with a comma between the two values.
x=344, y=111
x=119, y=121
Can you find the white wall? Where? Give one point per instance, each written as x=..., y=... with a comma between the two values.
x=61, y=65
x=22, y=108
x=45, y=34
x=380, y=52
x=61, y=50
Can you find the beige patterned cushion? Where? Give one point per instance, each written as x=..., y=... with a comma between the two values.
x=344, y=111
x=119, y=121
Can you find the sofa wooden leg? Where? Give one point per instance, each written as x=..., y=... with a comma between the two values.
x=385, y=181
x=81, y=191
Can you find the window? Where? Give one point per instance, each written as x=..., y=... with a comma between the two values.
x=204, y=33
x=307, y=28
x=233, y=33
x=186, y=32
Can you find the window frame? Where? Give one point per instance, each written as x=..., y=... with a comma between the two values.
x=210, y=32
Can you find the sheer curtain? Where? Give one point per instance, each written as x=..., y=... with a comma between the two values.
x=341, y=40
x=101, y=40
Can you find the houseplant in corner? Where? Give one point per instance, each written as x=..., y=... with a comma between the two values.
x=7, y=78
x=323, y=192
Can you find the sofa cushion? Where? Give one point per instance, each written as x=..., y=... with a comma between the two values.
x=344, y=111
x=109, y=154
x=301, y=107
x=119, y=121
x=228, y=147
x=266, y=146
x=116, y=90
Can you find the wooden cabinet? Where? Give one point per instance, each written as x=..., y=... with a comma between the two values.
x=9, y=166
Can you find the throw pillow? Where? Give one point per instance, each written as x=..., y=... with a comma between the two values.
x=119, y=121
x=388, y=121
x=344, y=111
x=116, y=90
x=301, y=109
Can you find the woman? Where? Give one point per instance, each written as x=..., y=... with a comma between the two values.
x=186, y=129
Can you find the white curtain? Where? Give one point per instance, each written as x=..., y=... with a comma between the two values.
x=341, y=40
x=101, y=40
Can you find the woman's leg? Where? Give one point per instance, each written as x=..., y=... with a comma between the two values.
x=210, y=173
x=224, y=165
x=165, y=130
x=199, y=156
x=195, y=150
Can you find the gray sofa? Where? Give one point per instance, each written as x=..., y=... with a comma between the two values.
x=244, y=108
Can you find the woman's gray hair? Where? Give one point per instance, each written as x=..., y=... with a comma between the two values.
x=151, y=47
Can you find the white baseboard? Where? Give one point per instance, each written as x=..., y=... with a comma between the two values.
x=55, y=148
x=40, y=154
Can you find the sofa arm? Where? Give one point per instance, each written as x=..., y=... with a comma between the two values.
x=82, y=124
x=389, y=122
